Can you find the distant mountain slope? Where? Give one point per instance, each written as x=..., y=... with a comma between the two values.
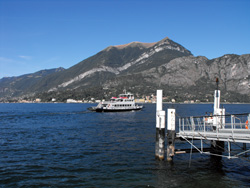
x=233, y=71
x=16, y=86
x=194, y=78
x=141, y=68
x=116, y=60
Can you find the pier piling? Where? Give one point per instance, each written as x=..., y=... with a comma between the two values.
x=160, y=128
x=171, y=134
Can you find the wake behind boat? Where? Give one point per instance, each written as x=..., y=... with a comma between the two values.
x=125, y=102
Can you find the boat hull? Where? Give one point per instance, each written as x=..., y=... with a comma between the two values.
x=117, y=110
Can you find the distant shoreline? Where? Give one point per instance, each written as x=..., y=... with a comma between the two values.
x=97, y=103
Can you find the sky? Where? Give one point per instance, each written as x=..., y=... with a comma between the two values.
x=45, y=34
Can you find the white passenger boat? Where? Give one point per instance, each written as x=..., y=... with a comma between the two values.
x=125, y=102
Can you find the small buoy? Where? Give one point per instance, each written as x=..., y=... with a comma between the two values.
x=246, y=124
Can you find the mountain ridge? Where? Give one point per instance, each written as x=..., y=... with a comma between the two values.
x=137, y=44
x=143, y=68
x=122, y=60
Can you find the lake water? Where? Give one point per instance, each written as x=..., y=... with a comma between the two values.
x=65, y=145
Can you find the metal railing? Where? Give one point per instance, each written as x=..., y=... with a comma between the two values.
x=205, y=123
x=233, y=128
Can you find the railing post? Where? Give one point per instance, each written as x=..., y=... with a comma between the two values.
x=192, y=123
x=204, y=124
x=183, y=121
x=232, y=124
x=223, y=118
x=179, y=124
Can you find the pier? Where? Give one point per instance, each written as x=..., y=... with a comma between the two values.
x=216, y=133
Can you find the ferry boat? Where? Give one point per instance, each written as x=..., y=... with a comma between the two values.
x=125, y=102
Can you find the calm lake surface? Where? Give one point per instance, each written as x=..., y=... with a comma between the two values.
x=65, y=145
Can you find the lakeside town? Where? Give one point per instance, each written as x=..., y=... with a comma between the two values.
x=146, y=99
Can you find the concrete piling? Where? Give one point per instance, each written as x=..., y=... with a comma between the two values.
x=171, y=134
x=160, y=128
x=218, y=121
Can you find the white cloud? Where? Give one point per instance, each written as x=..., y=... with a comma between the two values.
x=25, y=57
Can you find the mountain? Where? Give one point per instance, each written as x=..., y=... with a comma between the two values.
x=20, y=85
x=141, y=68
x=115, y=61
x=195, y=76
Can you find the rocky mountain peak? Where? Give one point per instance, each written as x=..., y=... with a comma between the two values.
x=135, y=44
x=165, y=43
x=143, y=44
x=165, y=40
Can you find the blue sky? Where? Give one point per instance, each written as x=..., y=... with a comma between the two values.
x=44, y=34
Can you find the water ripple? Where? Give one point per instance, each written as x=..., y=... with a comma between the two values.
x=64, y=145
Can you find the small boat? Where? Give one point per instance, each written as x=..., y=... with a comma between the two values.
x=125, y=102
